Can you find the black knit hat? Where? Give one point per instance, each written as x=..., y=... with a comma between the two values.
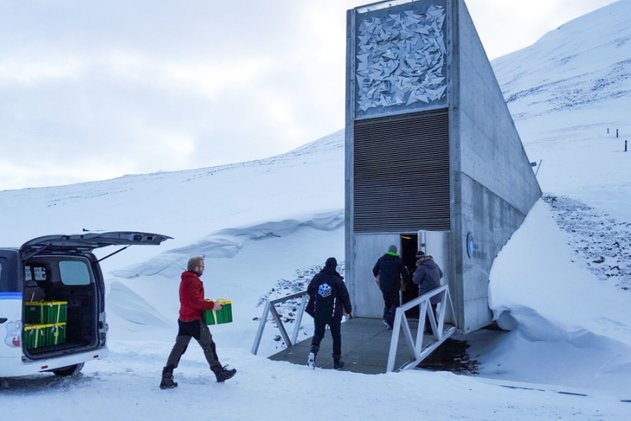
x=420, y=254
x=331, y=262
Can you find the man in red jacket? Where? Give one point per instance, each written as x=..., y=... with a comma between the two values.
x=191, y=325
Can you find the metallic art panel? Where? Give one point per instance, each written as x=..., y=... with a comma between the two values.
x=401, y=60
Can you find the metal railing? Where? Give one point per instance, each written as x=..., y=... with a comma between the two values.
x=420, y=351
x=270, y=307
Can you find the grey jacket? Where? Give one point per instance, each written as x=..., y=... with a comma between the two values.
x=427, y=276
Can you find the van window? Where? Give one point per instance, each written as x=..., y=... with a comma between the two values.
x=8, y=283
x=35, y=273
x=74, y=272
x=2, y=265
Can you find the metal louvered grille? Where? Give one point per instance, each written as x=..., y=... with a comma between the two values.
x=401, y=173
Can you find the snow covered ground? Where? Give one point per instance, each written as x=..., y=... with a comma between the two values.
x=265, y=224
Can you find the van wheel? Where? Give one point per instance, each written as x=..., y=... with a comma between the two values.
x=71, y=370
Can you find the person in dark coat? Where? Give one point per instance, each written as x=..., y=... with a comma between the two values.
x=329, y=301
x=191, y=325
x=427, y=276
x=388, y=272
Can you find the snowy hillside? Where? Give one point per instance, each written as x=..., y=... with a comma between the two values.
x=234, y=215
x=585, y=63
x=266, y=223
x=565, y=92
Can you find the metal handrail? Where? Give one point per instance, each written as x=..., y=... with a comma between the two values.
x=270, y=308
x=418, y=351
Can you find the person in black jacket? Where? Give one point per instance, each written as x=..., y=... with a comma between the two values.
x=388, y=272
x=329, y=300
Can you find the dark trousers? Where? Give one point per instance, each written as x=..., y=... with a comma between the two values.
x=318, y=334
x=198, y=330
x=428, y=325
x=390, y=304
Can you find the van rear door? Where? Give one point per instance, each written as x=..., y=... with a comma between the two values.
x=86, y=243
x=71, y=278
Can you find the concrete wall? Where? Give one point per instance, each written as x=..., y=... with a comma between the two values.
x=491, y=151
x=365, y=295
x=495, y=186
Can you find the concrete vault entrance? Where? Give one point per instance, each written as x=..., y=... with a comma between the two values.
x=433, y=162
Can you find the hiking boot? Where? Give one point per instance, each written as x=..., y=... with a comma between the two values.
x=311, y=360
x=223, y=374
x=338, y=364
x=167, y=380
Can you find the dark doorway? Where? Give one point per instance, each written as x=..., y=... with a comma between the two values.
x=409, y=247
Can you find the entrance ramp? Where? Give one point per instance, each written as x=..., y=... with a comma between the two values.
x=365, y=346
x=369, y=347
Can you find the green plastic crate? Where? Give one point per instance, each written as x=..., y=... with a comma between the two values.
x=45, y=312
x=55, y=334
x=218, y=317
x=34, y=336
x=37, y=336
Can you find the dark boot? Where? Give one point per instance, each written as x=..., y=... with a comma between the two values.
x=338, y=364
x=222, y=374
x=167, y=379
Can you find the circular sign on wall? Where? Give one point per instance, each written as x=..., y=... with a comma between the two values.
x=470, y=245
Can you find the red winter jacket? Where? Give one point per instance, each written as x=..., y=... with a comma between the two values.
x=192, y=303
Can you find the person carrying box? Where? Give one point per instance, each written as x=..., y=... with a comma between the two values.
x=191, y=325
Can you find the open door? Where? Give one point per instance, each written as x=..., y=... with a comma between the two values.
x=433, y=243
x=86, y=243
x=409, y=247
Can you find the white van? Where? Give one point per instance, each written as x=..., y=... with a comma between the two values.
x=52, y=307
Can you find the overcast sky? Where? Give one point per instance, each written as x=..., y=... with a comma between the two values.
x=96, y=89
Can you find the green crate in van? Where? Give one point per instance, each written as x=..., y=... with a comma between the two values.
x=34, y=336
x=37, y=336
x=55, y=334
x=222, y=316
x=45, y=312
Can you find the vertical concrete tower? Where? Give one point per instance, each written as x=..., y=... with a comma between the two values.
x=433, y=159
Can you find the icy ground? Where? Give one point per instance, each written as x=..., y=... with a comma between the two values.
x=124, y=387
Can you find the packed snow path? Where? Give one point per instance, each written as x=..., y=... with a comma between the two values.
x=597, y=238
x=125, y=387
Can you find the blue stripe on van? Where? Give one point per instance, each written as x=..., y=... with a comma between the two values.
x=10, y=295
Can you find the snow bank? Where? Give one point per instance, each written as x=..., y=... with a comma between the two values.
x=228, y=242
x=569, y=327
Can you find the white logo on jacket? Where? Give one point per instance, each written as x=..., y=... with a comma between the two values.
x=324, y=290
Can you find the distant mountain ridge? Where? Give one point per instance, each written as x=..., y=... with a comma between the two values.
x=583, y=62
